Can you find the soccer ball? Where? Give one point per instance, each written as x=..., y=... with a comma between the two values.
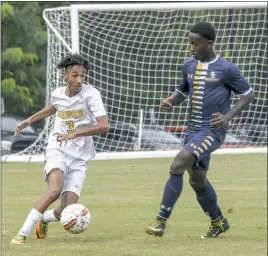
x=75, y=218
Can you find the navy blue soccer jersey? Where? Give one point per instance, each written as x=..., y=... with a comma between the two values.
x=209, y=86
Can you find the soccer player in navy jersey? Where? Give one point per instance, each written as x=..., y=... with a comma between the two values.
x=208, y=79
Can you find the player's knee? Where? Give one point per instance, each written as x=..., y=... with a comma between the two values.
x=177, y=167
x=53, y=194
x=181, y=163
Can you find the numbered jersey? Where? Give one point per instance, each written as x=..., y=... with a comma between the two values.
x=75, y=113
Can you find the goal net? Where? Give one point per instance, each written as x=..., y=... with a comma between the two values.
x=136, y=52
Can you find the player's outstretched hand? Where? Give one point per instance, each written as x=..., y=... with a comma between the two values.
x=21, y=126
x=219, y=120
x=64, y=137
x=166, y=104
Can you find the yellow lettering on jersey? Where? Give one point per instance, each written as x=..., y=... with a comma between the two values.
x=59, y=113
x=71, y=114
x=64, y=115
x=80, y=113
x=190, y=75
x=75, y=114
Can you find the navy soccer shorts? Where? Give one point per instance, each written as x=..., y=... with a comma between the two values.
x=201, y=144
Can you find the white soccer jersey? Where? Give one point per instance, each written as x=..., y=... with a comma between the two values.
x=74, y=113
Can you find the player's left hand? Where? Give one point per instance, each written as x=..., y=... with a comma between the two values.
x=219, y=120
x=64, y=137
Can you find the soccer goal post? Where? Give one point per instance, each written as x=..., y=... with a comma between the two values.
x=136, y=52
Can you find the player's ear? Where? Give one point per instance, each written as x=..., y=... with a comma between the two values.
x=210, y=43
x=65, y=75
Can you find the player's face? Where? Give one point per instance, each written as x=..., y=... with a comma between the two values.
x=200, y=47
x=75, y=77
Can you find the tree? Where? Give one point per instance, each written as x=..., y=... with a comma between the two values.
x=24, y=56
x=23, y=68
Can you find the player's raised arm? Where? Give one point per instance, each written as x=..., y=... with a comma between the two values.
x=237, y=83
x=45, y=112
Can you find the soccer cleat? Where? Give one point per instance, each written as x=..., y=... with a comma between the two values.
x=156, y=228
x=217, y=228
x=18, y=239
x=41, y=229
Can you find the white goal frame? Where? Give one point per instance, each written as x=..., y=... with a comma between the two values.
x=75, y=8
x=74, y=48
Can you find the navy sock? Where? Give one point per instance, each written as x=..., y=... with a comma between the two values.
x=172, y=192
x=207, y=199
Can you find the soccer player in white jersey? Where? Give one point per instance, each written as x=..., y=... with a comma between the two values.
x=80, y=114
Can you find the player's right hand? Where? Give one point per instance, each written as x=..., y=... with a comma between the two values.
x=166, y=104
x=21, y=126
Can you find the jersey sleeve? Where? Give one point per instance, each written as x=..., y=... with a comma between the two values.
x=183, y=87
x=236, y=82
x=96, y=104
x=53, y=98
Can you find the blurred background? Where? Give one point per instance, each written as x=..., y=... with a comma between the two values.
x=136, y=61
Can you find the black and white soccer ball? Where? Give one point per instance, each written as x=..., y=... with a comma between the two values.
x=75, y=218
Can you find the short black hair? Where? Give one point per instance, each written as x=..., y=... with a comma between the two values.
x=71, y=60
x=205, y=30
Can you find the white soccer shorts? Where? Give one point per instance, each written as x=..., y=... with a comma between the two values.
x=74, y=170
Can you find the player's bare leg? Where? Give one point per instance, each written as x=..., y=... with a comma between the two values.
x=73, y=184
x=207, y=198
x=55, y=185
x=68, y=198
x=53, y=215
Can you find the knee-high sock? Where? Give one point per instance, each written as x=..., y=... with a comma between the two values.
x=172, y=192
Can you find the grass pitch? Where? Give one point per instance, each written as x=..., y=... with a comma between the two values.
x=124, y=197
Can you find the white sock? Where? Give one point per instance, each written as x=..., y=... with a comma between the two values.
x=33, y=217
x=49, y=216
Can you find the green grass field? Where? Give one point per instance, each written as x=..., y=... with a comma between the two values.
x=124, y=196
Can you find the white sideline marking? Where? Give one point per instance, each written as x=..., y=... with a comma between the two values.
x=132, y=155
x=17, y=170
x=248, y=179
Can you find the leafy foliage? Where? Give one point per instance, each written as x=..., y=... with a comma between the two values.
x=24, y=56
